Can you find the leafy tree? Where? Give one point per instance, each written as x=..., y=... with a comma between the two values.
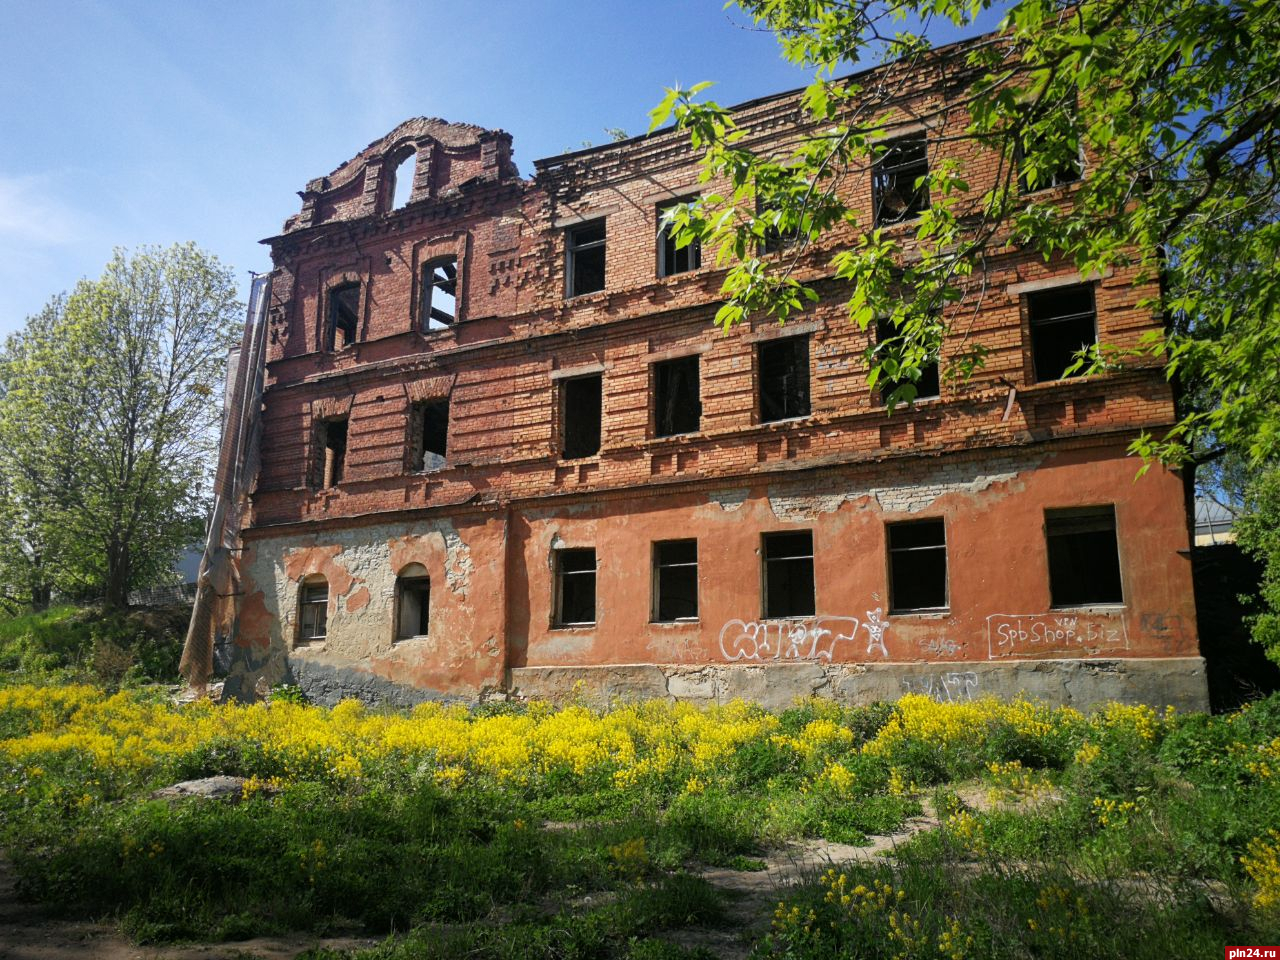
x=1258, y=532
x=108, y=416
x=1175, y=103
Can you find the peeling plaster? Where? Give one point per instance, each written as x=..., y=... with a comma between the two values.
x=729, y=500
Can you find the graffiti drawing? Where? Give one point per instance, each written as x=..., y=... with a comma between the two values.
x=943, y=687
x=876, y=628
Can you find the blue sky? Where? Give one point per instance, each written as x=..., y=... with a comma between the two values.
x=134, y=123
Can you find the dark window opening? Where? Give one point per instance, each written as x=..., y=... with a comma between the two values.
x=439, y=306
x=784, y=379
x=776, y=239
x=672, y=258
x=580, y=399
x=917, y=566
x=927, y=387
x=894, y=192
x=1062, y=324
x=334, y=452
x=788, y=574
x=585, y=265
x=675, y=580
x=344, y=316
x=313, y=610
x=1084, y=557
x=429, y=435
x=402, y=181
x=413, y=613
x=1042, y=164
x=575, y=587
x=677, y=400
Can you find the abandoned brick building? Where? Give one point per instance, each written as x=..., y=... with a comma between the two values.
x=504, y=449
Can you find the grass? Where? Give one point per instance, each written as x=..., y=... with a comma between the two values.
x=529, y=831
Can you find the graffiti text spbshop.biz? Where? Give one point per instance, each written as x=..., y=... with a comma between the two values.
x=1011, y=634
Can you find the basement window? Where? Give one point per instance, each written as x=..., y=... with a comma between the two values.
x=584, y=267
x=677, y=403
x=343, y=316
x=429, y=435
x=675, y=580
x=895, y=195
x=580, y=403
x=413, y=602
x=788, y=574
x=333, y=452
x=575, y=600
x=927, y=387
x=784, y=379
x=672, y=258
x=313, y=609
x=1063, y=323
x=439, y=300
x=917, y=566
x=1084, y=557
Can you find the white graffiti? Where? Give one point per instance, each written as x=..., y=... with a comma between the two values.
x=943, y=687
x=813, y=639
x=1028, y=634
x=938, y=646
x=875, y=627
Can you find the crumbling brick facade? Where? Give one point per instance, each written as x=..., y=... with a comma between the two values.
x=502, y=553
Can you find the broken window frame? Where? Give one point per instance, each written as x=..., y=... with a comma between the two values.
x=787, y=565
x=1042, y=317
x=1098, y=557
x=575, y=570
x=331, y=457
x=889, y=168
x=796, y=399
x=670, y=569
x=569, y=411
x=428, y=421
x=429, y=311
x=313, y=609
x=675, y=414
x=674, y=260
x=578, y=252
x=335, y=304
x=414, y=585
x=929, y=373
x=903, y=554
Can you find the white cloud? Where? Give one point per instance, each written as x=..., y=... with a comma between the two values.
x=32, y=214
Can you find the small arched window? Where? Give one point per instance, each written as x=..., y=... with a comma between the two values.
x=439, y=306
x=413, y=602
x=313, y=609
x=402, y=181
x=343, y=319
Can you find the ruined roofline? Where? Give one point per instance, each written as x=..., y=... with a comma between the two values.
x=548, y=164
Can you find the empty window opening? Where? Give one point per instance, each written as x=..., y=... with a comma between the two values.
x=413, y=602
x=675, y=580
x=429, y=435
x=585, y=264
x=1084, y=557
x=788, y=574
x=1063, y=323
x=333, y=452
x=344, y=316
x=672, y=258
x=1042, y=161
x=575, y=601
x=439, y=305
x=776, y=239
x=677, y=401
x=784, y=379
x=580, y=401
x=927, y=387
x=402, y=181
x=895, y=194
x=313, y=609
x=917, y=566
